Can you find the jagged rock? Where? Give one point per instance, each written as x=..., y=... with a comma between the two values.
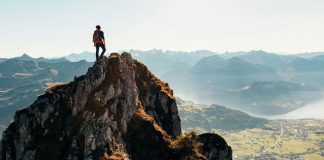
x=118, y=109
x=214, y=147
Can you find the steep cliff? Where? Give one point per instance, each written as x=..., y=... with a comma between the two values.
x=118, y=110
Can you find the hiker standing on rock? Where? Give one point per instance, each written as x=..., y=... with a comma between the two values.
x=99, y=41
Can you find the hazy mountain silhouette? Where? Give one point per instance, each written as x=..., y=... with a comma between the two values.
x=277, y=62
x=319, y=58
x=224, y=80
x=310, y=54
x=159, y=61
x=23, y=78
x=26, y=57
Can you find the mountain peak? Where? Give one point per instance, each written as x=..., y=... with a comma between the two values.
x=118, y=106
x=257, y=52
x=25, y=57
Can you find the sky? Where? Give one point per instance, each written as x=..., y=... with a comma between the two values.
x=57, y=28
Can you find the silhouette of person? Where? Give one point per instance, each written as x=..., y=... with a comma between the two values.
x=99, y=41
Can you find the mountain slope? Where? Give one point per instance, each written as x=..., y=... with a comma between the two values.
x=309, y=72
x=233, y=73
x=319, y=58
x=278, y=62
x=21, y=81
x=207, y=118
x=118, y=108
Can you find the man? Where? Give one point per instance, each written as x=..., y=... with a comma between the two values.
x=99, y=41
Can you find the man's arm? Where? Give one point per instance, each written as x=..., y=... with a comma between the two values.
x=103, y=38
x=94, y=44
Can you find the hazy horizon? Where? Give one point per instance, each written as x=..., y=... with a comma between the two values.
x=163, y=50
x=55, y=28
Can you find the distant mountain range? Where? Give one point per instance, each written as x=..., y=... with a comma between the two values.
x=310, y=54
x=255, y=82
x=23, y=78
x=159, y=61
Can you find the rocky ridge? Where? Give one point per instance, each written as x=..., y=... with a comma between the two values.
x=118, y=110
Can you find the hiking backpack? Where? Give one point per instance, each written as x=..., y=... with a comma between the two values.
x=96, y=37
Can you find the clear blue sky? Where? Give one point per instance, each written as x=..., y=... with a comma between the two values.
x=59, y=27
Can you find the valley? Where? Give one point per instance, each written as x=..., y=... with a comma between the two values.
x=256, y=138
x=279, y=139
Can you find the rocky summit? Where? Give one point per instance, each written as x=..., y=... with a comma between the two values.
x=118, y=110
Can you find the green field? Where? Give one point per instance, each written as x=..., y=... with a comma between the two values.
x=279, y=139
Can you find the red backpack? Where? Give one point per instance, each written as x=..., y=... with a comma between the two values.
x=96, y=37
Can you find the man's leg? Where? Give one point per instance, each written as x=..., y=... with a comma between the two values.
x=97, y=51
x=103, y=50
